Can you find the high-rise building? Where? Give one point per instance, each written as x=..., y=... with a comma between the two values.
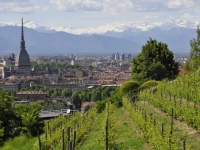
x=129, y=56
x=123, y=56
x=113, y=56
x=22, y=61
x=117, y=57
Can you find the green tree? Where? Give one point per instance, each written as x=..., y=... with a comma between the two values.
x=195, y=49
x=154, y=62
x=76, y=99
x=28, y=114
x=66, y=93
x=129, y=88
x=8, y=120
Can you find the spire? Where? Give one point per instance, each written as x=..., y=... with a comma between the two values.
x=22, y=42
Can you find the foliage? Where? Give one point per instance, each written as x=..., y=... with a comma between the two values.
x=148, y=84
x=28, y=114
x=8, y=119
x=129, y=88
x=100, y=106
x=154, y=62
x=195, y=50
x=49, y=105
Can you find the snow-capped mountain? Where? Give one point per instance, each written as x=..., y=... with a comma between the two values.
x=114, y=27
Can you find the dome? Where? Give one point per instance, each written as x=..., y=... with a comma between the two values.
x=22, y=58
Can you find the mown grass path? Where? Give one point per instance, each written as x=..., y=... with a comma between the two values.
x=129, y=137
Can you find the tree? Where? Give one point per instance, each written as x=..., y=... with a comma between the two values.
x=129, y=88
x=28, y=114
x=154, y=62
x=195, y=49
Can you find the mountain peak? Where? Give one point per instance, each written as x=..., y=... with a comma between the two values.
x=114, y=27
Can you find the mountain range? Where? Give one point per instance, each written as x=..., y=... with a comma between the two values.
x=117, y=37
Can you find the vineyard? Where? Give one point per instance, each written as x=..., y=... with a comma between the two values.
x=163, y=117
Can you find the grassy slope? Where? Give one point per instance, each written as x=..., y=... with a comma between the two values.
x=20, y=143
x=128, y=136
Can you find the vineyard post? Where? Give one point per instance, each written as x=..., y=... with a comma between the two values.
x=63, y=140
x=172, y=116
x=184, y=145
x=181, y=100
x=48, y=126
x=46, y=134
x=107, y=134
x=162, y=128
x=68, y=137
x=70, y=145
x=39, y=141
x=154, y=122
x=74, y=142
x=151, y=116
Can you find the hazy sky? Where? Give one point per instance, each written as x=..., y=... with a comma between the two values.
x=87, y=13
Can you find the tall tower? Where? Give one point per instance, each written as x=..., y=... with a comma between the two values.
x=22, y=61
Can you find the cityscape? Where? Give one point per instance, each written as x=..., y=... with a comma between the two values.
x=99, y=75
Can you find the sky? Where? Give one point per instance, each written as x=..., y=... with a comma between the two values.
x=91, y=13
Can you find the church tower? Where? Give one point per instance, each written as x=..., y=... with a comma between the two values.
x=22, y=61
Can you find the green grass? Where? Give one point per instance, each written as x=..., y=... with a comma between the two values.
x=91, y=141
x=129, y=137
x=21, y=142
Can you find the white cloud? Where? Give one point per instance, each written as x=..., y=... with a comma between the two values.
x=150, y=17
x=180, y=4
x=187, y=16
x=117, y=6
x=77, y=5
x=121, y=6
x=18, y=6
x=45, y=8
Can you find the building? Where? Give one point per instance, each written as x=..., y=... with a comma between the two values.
x=22, y=61
x=129, y=56
x=31, y=96
x=9, y=86
x=122, y=57
x=117, y=56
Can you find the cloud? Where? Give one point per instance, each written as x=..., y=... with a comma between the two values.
x=117, y=6
x=150, y=17
x=122, y=6
x=45, y=8
x=76, y=5
x=180, y=4
x=187, y=16
x=18, y=6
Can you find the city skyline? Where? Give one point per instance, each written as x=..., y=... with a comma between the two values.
x=91, y=13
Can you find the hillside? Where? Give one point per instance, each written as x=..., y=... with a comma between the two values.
x=163, y=116
x=62, y=42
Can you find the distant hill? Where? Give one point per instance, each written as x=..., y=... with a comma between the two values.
x=62, y=42
x=177, y=38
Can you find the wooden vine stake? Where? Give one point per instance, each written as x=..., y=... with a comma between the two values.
x=107, y=134
x=172, y=116
x=184, y=145
x=39, y=141
x=63, y=140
